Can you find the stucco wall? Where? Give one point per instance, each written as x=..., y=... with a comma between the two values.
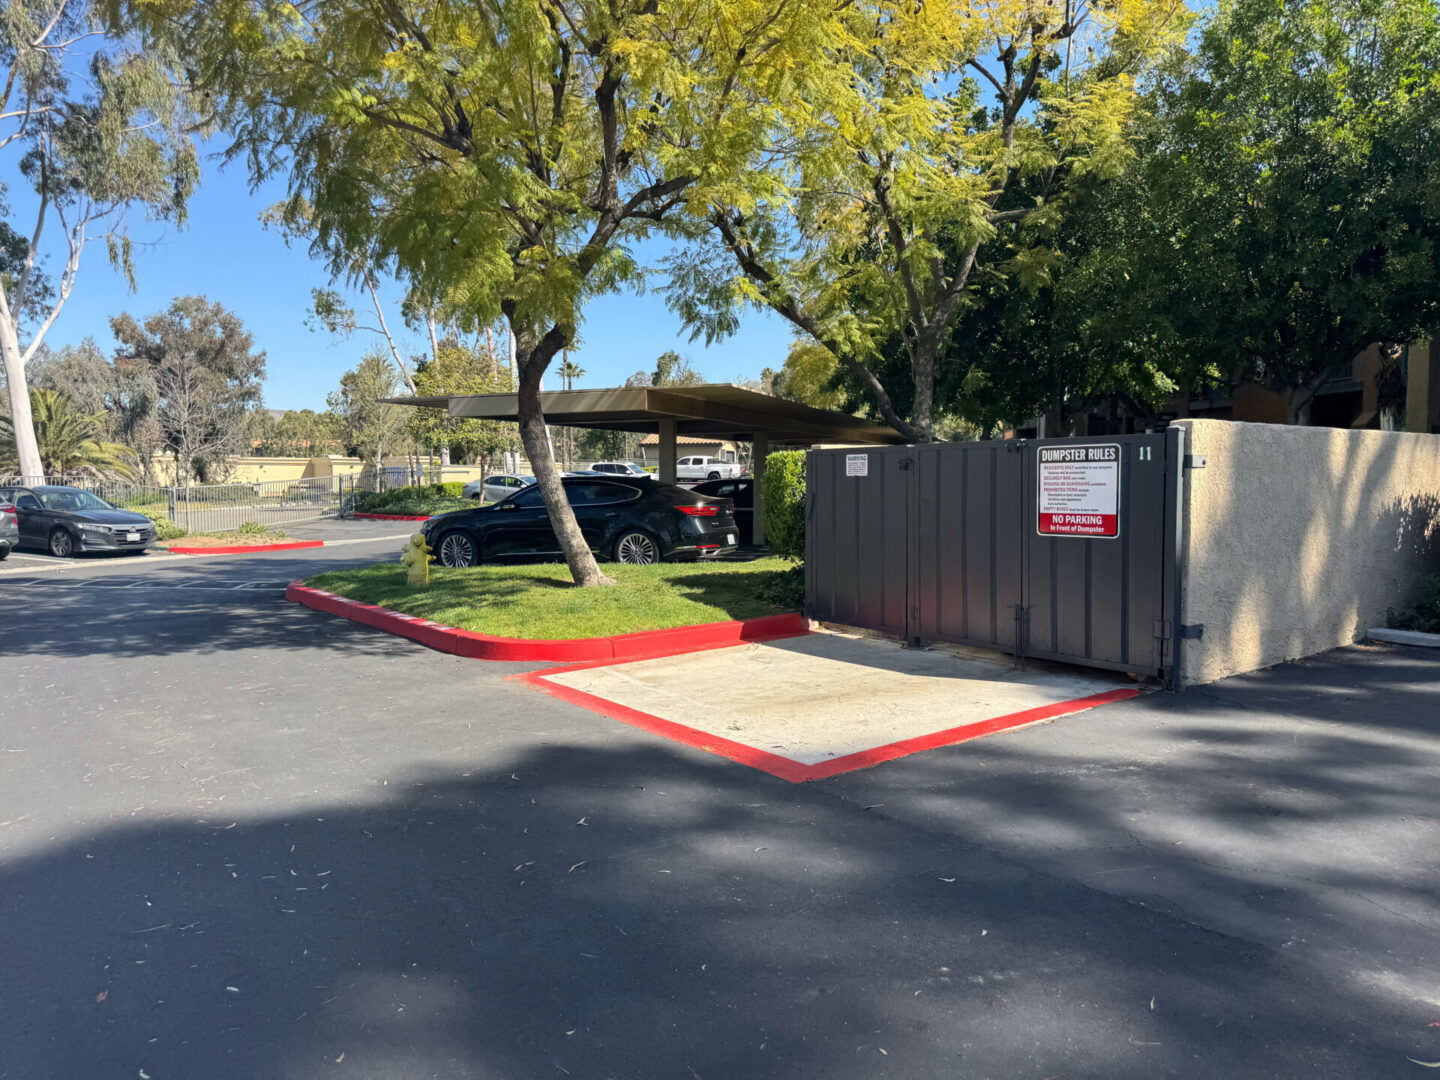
x=1300, y=538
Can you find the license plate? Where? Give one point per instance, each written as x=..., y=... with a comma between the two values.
x=729, y=538
x=132, y=537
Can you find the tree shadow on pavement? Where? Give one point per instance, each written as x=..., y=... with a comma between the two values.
x=1294, y=807
x=625, y=912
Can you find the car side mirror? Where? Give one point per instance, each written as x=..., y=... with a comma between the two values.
x=508, y=506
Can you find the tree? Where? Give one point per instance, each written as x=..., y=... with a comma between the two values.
x=80, y=372
x=809, y=376
x=503, y=157
x=90, y=157
x=370, y=427
x=459, y=369
x=71, y=443
x=206, y=375
x=885, y=207
x=672, y=369
x=1294, y=168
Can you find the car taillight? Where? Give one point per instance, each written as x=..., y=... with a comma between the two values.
x=700, y=511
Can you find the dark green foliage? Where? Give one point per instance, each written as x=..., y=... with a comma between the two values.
x=1424, y=613
x=785, y=588
x=785, y=503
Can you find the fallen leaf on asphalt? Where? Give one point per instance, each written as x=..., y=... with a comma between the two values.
x=233, y=989
x=883, y=1050
x=1426, y=1064
x=583, y=821
x=339, y=1059
x=947, y=880
x=576, y=866
x=101, y=996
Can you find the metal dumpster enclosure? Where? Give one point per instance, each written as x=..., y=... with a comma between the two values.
x=1062, y=549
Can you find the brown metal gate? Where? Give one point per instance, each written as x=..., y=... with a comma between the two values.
x=942, y=542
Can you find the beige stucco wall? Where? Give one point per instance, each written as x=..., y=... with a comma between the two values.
x=1300, y=538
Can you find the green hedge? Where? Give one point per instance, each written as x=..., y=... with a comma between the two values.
x=427, y=499
x=1424, y=614
x=165, y=529
x=785, y=503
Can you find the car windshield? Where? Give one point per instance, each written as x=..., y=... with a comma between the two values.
x=72, y=500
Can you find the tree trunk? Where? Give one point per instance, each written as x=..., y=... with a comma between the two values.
x=923, y=368
x=22, y=419
x=534, y=435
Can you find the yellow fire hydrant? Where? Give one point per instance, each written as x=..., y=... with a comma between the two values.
x=416, y=555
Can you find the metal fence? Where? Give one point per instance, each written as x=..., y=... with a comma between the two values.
x=218, y=508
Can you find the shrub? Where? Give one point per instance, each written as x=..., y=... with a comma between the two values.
x=252, y=528
x=450, y=489
x=785, y=503
x=1424, y=614
x=785, y=588
x=165, y=529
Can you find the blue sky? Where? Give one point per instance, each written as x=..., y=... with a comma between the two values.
x=225, y=255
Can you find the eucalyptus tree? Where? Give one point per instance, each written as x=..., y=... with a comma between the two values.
x=96, y=126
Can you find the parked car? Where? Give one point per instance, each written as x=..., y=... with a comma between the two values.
x=67, y=520
x=9, y=529
x=740, y=492
x=630, y=521
x=495, y=488
x=706, y=468
x=621, y=468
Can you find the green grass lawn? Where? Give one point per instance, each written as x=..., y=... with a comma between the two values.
x=539, y=600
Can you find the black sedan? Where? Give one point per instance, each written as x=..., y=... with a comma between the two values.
x=742, y=493
x=67, y=520
x=630, y=521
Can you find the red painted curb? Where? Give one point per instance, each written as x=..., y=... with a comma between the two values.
x=473, y=646
x=245, y=549
x=797, y=772
x=392, y=517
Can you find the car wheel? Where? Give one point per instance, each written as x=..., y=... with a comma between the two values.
x=636, y=548
x=62, y=544
x=713, y=476
x=456, y=550
x=4, y=552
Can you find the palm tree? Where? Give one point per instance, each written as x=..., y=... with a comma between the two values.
x=71, y=443
x=569, y=372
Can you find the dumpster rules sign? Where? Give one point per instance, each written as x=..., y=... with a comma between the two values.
x=1079, y=490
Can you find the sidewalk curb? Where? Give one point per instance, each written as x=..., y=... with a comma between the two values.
x=392, y=517
x=473, y=646
x=246, y=549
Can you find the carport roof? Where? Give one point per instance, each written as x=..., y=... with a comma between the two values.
x=715, y=409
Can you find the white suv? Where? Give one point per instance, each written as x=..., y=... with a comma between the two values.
x=706, y=468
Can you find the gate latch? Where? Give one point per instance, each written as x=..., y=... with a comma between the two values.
x=1192, y=631
x=1194, y=461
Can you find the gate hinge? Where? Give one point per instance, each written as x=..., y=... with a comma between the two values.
x=1192, y=631
x=1194, y=461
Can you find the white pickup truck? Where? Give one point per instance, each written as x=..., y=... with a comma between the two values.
x=706, y=468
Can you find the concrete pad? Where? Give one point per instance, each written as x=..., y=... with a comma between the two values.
x=804, y=708
x=1416, y=638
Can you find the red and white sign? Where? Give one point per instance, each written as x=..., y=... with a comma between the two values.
x=1079, y=490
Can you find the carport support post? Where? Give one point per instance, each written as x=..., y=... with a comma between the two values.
x=667, y=451
x=760, y=449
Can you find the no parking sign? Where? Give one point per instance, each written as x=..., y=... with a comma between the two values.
x=1079, y=491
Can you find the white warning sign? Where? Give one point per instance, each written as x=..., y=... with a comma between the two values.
x=1079, y=490
x=857, y=464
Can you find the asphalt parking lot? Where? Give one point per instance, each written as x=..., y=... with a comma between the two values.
x=239, y=838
